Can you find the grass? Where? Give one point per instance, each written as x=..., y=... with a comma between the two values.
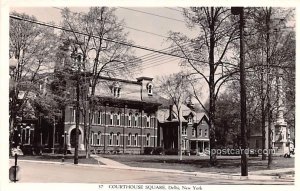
x=58, y=158
x=200, y=164
x=225, y=164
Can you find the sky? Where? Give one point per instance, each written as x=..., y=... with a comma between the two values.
x=137, y=18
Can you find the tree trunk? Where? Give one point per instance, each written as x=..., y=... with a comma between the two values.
x=212, y=103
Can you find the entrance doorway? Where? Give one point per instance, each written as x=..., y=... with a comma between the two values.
x=73, y=138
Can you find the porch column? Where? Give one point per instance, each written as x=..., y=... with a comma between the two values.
x=196, y=147
x=203, y=146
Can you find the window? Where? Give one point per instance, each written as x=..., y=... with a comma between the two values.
x=129, y=139
x=152, y=122
x=183, y=130
x=111, y=118
x=136, y=139
x=148, y=140
x=118, y=139
x=99, y=138
x=116, y=91
x=126, y=120
x=115, y=119
x=193, y=131
x=205, y=133
x=200, y=132
x=95, y=137
x=136, y=118
x=150, y=89
x=99, y=117
x=183, y=142
x=103, y=118
x=111, y=138
x=27, y=135
x=94, y=118
x=72, y=112
x=148, y=121
x=129, y=119
x=118, y=119
x=190, y=120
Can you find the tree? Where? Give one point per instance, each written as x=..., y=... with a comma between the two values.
x=175, y=87
x=32, y=47
x=266, y=54
x=100, y=56
x=207, y=54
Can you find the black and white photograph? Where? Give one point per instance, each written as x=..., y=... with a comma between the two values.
x=133, y=97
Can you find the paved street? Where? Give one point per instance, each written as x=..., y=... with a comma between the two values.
x=57, y=173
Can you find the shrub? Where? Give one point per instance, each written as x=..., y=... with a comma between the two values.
x=148, y=150
x=158, y=151
x=27, y=149
x=171, y=152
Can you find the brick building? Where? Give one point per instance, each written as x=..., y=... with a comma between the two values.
x=195, y=129
x=124, y=120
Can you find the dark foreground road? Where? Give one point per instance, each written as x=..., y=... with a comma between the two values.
x=57, y=173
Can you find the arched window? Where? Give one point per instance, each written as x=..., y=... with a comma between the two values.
x=99, y=118
x=136, y=118
x=118, y=119
x=115, y=119
x=103, y=118
x=144, y=121
x=111, y=138
x=129, y=139
x=148, y=121
x=136, y=139
x=150, y=89
x=148, y=139
x=99, y=138
x=118, y=139
x=130, y=119
x=111, y=118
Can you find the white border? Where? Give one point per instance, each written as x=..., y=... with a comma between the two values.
x=4, y=77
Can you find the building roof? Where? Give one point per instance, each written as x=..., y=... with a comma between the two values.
x=164, y=114
x=128, y=91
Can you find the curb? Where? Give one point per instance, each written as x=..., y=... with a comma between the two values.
x=198, y=174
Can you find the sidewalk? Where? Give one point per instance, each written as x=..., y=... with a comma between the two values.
x=107, y=161
x=254, y=175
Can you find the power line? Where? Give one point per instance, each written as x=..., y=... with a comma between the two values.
x=125, y=26
x=149, y=58
x=144, y=12
x=105, y=39
x=173, y=9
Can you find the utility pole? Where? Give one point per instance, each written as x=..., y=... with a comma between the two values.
x=77, y=59
x=270, y=136
x=263, y=109
x=244, y=161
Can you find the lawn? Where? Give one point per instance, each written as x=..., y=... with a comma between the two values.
x=58, y=158
x=199, y=164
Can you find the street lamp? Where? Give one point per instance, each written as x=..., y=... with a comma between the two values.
x=65, y=145
x=244, y=163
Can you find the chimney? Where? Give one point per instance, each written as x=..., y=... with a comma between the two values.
x=171, y=112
